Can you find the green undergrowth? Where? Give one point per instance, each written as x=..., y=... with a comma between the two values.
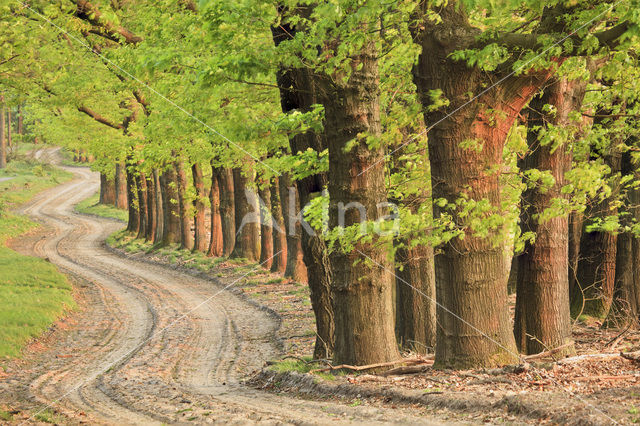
x=127, y=242
x=92, y=206
x=33, y=293
x=303, y=365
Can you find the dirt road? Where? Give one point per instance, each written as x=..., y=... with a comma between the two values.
x=153, y=345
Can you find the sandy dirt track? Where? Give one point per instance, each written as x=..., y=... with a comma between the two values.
x=153, y=345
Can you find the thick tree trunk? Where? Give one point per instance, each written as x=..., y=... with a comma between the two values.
x=186, y=237
x=596, y=272
x=279, y=234
x=159, y=208
x=247, y=218
x=152, y=218
x=474, y=329
x=363, y=277
x=299, y=92
x=141, y=185
x=107, y=190
x=575, y=233
x=295, y=268
x=266, y=230
x=216, y=243
x=227, y=210
x=134, y=217
x=542, y=319
x=170, y=207
x=415, y=299
x=121, y=186
x=200, y=241
x=3, y=141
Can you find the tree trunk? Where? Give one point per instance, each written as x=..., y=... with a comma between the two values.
x=247, y=218
x=227, y=210
x=298, y=92
x=186, y=237
x=3, y=141
x=596, y=272
x=159, y=208
x=295, y=268
x=152, y=218
x=200, y=242
x=216, y=243
x=575, y=233
x=415, y=299
x=363, y=276
x=121, y=186
x=141, y=184
x=20, y=121
x=107, y=190
x=279, y=264
x=170, y=207
x=542, y=318
x=266, y=229
x=134, y=218
x=9, y=127
x=474, y=329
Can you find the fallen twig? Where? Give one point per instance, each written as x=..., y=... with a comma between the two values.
x=632, y=356
x=410, y=369
x=587, y=356
x=547, y=353
x=370, y=366
x=614, y=342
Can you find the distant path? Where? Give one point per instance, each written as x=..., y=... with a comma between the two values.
x=156, y=345
x=4, y=179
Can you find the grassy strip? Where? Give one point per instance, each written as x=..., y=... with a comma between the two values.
x=33, y=293
x=92, y=206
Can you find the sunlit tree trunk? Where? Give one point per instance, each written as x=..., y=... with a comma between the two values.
x=279, y=234
x=247, y=217
x=296, y=268
x=170, y=207
x=266, y=230
x=363, y=277
x=132, y=196
x=107, y=190
x=216, y=243
x=20, y=121
x=186, y=237
x=474, y=328
x=227, y=210
x=542, y=318
x=9, y=127
x=158, y=207
x=121, y=186
x=152, y=218
x=200, y=242
x=141, y=185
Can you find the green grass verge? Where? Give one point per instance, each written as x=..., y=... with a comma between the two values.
x=303, y=365
x=92, y=206
x=33, y=293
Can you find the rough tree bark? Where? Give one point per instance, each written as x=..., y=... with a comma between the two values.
x=132, y=196
x=170, y=207
x=299, y=92
x=159, y=209
x=227, y=210
x=121, y=186
x=186, y=237
x=247, y=217
x=216, y=243
x=266, y=230
x=296, y=268
x=152, y=217
x=542, y=319
x=107, y=190
x=471, y=287
x=200, y=241
x=141, y=185
x=279, y=234
x=363, y=277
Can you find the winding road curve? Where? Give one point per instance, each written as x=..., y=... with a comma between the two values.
x=156, y=345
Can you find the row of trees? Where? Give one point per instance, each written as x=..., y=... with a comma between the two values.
x=438, y=146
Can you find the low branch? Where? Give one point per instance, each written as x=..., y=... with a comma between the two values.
x=547, y=353
x=100, y=119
